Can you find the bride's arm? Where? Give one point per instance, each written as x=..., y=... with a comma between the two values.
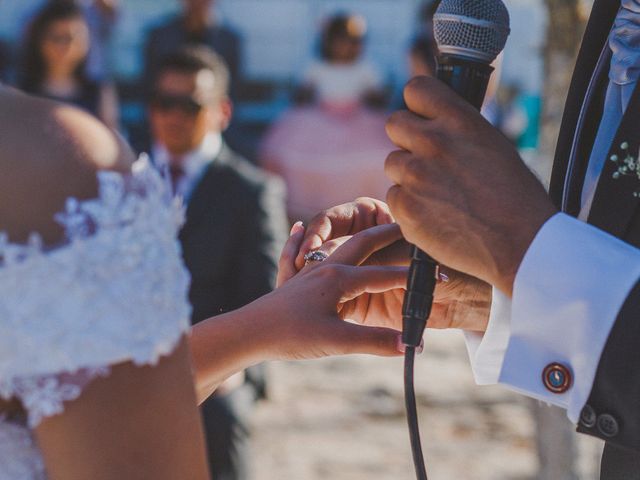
x=300, y=320
x=138, y=422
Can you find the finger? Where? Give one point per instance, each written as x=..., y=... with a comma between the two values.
x=346, y=219
x=397, y=254
x=403, y=204
x=328, y=247
x=286, y=265
x=417, y=135
x=362, y=245
x=356, y=339
x=354, y=281
x=405, y=169
x=431, y=98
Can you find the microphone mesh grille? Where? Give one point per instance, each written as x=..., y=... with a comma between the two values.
x=473, y=28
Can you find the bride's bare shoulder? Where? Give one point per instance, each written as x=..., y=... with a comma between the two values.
x=48, y=153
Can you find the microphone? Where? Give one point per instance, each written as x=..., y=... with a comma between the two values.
x=470, y=34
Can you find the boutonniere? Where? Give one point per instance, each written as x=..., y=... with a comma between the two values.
x=627, y=165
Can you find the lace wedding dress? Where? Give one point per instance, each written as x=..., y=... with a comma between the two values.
x=115, y=291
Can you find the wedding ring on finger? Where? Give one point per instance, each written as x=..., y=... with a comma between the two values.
x=315, y=256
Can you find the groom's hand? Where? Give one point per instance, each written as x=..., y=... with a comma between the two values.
x=462, y=302
x=461, y=193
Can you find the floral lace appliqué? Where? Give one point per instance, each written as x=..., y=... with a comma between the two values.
x=116, y=291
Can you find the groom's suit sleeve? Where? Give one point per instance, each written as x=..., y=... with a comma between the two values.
x=576, y=312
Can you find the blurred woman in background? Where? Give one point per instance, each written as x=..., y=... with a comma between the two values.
x=331, y=148
x=55, y=58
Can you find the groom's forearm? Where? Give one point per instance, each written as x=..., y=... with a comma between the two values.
x=227, y=344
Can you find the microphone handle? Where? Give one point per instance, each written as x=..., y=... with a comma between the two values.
x=418, y=299
x=468, y=79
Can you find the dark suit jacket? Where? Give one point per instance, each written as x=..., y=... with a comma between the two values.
x=234, y=231
x=171, y=36
x=616, y=390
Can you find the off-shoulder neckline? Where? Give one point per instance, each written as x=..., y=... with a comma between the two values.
x=82, y=219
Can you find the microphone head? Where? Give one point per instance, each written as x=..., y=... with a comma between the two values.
x=473, y=29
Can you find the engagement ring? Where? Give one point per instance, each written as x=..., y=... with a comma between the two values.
x=316, y=256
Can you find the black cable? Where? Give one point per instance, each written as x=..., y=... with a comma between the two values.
x=416, y=310
x=412, y=414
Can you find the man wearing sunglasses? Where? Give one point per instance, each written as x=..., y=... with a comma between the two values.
x=235, y=225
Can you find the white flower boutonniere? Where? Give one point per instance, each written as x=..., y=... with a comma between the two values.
x=627, y=165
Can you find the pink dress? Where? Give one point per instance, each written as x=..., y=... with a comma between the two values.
x=333, y=152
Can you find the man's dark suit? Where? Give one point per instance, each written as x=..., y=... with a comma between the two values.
x=616, y=391
x=234, y=231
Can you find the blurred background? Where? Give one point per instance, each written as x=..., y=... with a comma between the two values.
x=339, y=418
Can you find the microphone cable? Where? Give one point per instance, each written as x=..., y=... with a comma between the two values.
x=416, y=309
x=412, y=414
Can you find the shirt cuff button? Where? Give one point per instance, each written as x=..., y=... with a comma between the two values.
x=556, y=378
x=588, y=417
x=607, y=425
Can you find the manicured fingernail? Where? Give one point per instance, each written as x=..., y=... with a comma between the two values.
x=298, y=226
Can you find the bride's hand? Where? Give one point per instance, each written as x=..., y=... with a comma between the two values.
x=461, y=302
x=378, y=246
x=308, y=310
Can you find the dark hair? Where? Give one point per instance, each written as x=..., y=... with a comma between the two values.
x=194, y=59
x=341, y=25
x=34, y=68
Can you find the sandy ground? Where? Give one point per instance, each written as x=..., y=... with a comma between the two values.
x=343, y=419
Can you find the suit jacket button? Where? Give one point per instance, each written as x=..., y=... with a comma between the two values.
x=607, y=425
x=556, y=378
x=588, y=417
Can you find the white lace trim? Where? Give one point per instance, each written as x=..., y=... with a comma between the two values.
x=20, y=457
x=116, y=291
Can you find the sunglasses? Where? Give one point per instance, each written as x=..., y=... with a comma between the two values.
x=183, y=103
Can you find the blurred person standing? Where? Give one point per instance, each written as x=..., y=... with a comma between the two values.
x=327, y=151
x=54, y=63
x=196, y=25
x=235, y=226
x=102, y=16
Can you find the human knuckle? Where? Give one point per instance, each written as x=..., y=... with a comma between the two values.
x=364, y=202
x=394, y=119
x=330, y=272
x=415, y=85
x=413, y=168
x=431, y=141
x=392, y=196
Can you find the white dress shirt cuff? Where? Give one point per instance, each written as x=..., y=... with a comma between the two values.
x=570, y=287
x=486, y=351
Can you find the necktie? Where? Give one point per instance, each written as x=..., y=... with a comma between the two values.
x=625, y=44
x=624, y=71
x=176, y=172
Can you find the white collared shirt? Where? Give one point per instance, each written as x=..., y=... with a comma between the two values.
x=567, y=295
x=194, y=163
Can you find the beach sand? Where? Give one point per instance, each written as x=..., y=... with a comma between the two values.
x=343, y=419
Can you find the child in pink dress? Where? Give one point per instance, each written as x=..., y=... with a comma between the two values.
x=333, y=149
